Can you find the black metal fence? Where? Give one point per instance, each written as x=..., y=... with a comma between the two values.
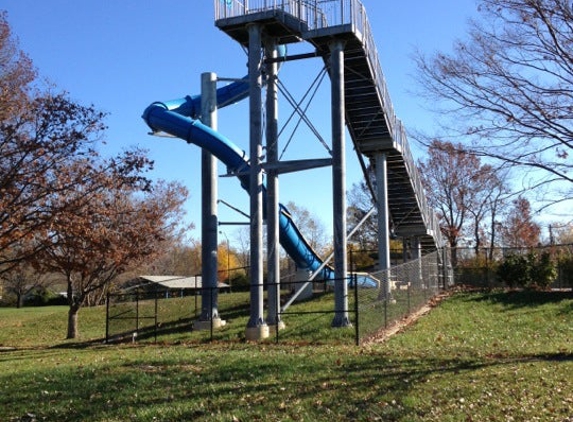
x=130, y=315
x=374, y=302
x=143, y=315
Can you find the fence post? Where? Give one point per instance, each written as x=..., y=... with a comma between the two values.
x=211, y=303
x=196, y=305
x=156, y=304
x=107, y=318
x=444, y=268
x=385, y=312
x=440, y=262
x=136, y=312
x=409, y=298
x=278, y=313
x=354, y=277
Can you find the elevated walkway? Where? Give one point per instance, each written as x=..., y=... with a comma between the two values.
x=370, y=116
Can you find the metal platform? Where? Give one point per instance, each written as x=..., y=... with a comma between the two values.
x=370, y=116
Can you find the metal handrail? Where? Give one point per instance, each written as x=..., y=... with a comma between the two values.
x=321, y=14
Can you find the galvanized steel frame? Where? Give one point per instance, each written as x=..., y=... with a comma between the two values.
x=327, y=14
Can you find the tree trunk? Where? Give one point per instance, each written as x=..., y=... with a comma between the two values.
x=477, y=239
x=453, y=242
x=19, y=300
x=73, y=321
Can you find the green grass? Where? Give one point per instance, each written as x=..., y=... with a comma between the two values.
x=375, y=313
x=309, y=321
x=47, y=326
x=476, y=357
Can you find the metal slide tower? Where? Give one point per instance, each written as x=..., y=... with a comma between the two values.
x=340, y=32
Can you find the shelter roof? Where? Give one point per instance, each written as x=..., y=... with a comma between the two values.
x=172, y=282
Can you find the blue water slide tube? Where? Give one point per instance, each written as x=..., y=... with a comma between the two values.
x=178, y=118
x=190, y=106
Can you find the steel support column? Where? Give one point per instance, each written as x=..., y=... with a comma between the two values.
x=273, y=245
x=417, y=255
x=339, y=184
x=256, y=326
x=209, y=219
x=383, y=221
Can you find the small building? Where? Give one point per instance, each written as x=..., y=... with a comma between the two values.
x=169, y=285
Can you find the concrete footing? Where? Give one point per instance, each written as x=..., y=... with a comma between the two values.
x=273, y=328
x=257, y=333
x=204, y=325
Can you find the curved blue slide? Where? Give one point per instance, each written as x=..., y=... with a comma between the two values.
x=179, y=118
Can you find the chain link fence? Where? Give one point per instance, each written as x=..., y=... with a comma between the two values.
x=404, y=289
x=478, y=267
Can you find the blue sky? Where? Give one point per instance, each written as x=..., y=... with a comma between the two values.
x=123, y=55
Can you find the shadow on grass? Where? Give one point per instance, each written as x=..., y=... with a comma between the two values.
x=181, y=325
x=339, y=387
x=549, y=357
x=525, y=298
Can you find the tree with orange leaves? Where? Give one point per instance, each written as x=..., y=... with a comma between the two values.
x=63, y=207
x=40, y=135
x=518, y=229
x=16, y=73
x=111, y=224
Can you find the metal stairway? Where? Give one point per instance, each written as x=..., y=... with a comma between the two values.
x=370, y=117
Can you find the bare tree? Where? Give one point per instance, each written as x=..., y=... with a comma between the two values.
x=459, y=188
x=359, y=204
x=22, y=279
x=498, y=198
x=310, y=226
x=242, y=242
x=508, y=90
x=489, y=203
x=176, y=258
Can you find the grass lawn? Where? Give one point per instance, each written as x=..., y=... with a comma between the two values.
x=476, y=357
